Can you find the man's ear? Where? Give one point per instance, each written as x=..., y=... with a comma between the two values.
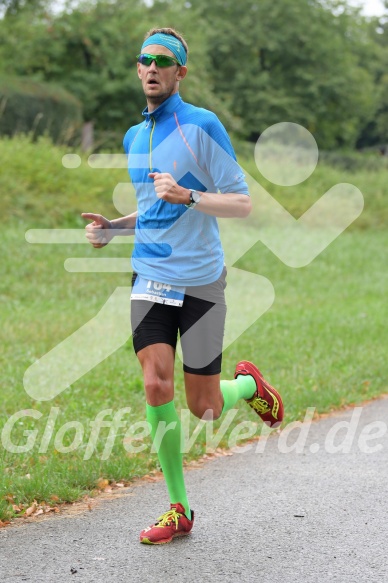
x=182, y=72
x=138, y=70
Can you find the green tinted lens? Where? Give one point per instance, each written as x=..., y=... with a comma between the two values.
x=165, y=61
x=160, y=60
x=144, y=60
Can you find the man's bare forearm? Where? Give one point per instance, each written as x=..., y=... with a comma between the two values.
x=226, y=205
x=229, y=205
x=124, y=225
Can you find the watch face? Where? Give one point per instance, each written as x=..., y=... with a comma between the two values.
x=195, y=196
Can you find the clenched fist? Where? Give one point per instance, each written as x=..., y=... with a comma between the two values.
x=168, y=189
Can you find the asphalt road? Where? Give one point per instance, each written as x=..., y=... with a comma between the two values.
x=318, y=514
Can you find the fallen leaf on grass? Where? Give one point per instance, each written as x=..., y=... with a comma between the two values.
x=36, y=510
x=51, y=509
x=194, y=464
x=223, y=452
x=104, y=485
x=31, y=509
x=153, y=476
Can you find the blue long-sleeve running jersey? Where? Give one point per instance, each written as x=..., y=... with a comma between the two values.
x=174, y=244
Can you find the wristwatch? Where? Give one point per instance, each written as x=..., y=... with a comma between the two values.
x=195, y=197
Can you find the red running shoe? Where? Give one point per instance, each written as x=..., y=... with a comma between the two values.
x=172, y=523
x=266, y=401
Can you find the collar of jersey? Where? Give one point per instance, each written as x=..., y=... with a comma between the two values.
x=164, y=110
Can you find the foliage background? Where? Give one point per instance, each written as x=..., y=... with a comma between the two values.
x=317, y=63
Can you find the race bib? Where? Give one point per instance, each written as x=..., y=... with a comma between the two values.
x=155, y=291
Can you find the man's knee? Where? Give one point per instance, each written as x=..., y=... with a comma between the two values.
x=206, y=410
x=158, y=391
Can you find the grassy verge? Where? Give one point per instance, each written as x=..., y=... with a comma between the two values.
x=323, y=341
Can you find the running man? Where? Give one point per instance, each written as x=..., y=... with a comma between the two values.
x=184, y=170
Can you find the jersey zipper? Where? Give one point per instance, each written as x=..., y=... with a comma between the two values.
x=150, y=146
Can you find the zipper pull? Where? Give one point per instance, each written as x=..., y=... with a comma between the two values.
x=150, y=119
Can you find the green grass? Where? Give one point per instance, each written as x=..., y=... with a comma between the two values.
x=323, y=342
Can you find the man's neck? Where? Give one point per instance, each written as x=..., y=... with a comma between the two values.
x=155, y=102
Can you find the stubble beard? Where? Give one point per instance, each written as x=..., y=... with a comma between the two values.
x=158, y=99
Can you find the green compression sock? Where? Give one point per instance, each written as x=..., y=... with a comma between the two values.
x=167, y=442
x=242, y=387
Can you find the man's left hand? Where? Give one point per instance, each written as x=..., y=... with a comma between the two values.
x=168, y=189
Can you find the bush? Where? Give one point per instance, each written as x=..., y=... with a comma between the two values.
x=370, y=161
x=35, y=108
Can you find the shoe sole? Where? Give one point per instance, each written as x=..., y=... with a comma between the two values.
x=147, y=541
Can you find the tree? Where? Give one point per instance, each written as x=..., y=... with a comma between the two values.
x=290, y=61
x=90, y=52
x=9, y=8
x=376, y=131
x=314, y=62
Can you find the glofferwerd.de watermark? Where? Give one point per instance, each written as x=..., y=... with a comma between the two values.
x=98, y=437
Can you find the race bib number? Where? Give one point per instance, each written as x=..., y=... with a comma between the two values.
x=155, y=291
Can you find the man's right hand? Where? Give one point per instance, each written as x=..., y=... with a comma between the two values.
x=100, y=232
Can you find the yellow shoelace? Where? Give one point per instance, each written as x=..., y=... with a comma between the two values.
x=260, y=405
x=168, y=517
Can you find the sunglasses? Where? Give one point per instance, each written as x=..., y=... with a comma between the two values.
x=160, y=60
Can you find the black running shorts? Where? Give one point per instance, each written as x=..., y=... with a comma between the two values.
x=200, y=323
